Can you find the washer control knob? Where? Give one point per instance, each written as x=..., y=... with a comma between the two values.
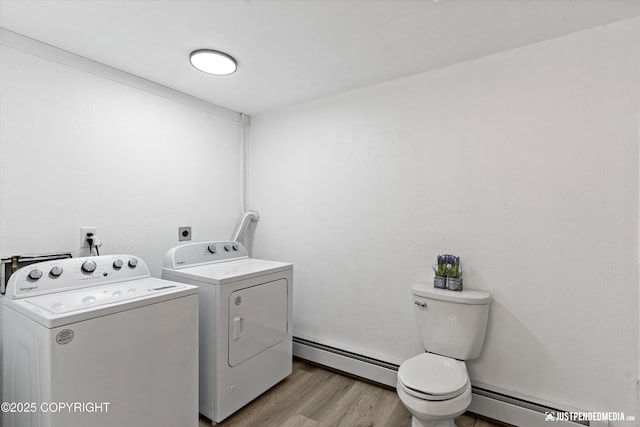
x=133, y=263
x=227, y=248
x=89, y=266
x=117, y=264
x=56, y=271
x=35, y=274
x=235, y=247
x=212, y=248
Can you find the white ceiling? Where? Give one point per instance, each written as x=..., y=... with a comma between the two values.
x=293, y=51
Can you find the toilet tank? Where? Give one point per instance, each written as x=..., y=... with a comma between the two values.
x=451, y=323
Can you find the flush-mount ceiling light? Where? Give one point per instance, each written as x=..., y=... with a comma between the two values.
x=213, y=62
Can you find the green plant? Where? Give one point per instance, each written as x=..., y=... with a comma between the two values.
x=448, y=266
x=454, y=272
x=441, y=267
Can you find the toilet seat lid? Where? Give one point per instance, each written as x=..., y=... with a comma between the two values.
x=433, y=374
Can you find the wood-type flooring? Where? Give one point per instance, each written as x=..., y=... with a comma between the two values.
x=313, y=396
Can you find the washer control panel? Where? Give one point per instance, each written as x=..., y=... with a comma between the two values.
x=204, y=253
x=55, y=276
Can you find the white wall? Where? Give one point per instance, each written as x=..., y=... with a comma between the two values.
x=524, y=163
x=80, y=150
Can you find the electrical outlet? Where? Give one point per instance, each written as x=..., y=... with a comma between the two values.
x=184, y=233
x=83, y=235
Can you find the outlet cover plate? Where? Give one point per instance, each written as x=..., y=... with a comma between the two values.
x=83, y=235
x=184, y=233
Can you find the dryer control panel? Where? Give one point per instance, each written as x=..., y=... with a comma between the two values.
x=203, y=253
x=65, y=274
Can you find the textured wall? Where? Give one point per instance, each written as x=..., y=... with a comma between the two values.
x=524, y=163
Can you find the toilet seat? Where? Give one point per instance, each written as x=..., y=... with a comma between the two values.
x=432, y=397
x=433, y=377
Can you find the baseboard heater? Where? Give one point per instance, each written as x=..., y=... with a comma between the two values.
x=492, y=404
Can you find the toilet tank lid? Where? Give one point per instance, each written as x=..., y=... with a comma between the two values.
x=466, y=296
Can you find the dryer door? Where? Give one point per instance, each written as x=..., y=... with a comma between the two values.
x=257, y=319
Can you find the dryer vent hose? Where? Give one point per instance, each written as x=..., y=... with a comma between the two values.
x=243, y=225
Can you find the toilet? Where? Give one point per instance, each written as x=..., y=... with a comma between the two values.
x=434, y=386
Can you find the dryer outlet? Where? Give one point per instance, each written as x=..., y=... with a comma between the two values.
x=184, y=233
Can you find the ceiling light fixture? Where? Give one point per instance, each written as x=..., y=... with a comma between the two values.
x=213, y=62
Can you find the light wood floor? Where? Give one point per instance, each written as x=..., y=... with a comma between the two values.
x=313, y=396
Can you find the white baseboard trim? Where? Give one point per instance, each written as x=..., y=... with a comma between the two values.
x=518, y=415
x=386, y=375
x=496, y=406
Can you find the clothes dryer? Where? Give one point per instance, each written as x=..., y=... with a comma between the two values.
x=245, y=321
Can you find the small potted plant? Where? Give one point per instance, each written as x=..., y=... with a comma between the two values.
x=454, y=274
x=440, y=269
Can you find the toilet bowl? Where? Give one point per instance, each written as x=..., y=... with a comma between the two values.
x=434, y=388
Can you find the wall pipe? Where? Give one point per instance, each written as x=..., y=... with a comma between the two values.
x=244, y=124
x=247, y=216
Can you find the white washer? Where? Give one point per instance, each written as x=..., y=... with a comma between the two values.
x=100, y=335
x=245, y=321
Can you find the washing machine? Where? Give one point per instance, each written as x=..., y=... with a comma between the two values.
x=97, y=342
x=245, y=321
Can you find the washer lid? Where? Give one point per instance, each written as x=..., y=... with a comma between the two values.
x=62, y=308
x=466, y=296
x=433, y=374
x=220, y=273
